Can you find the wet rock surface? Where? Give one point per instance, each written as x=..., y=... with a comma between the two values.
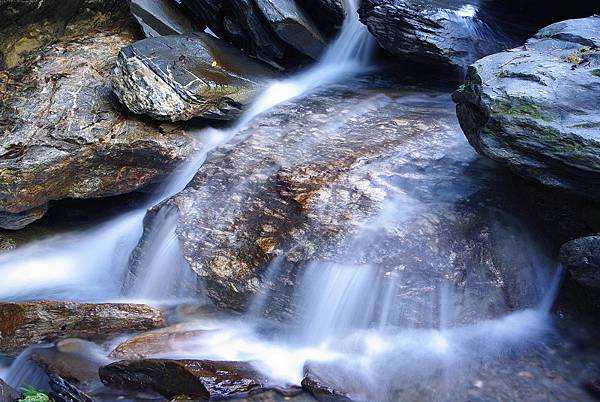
x=288, y=194
x=7, y=393
x=162, y=341
x=200, y=379
x=448, y=35
x=66, y=136
x=178, y=77
x=27, y=25
x=535, y=109
x=319, y=387
x=162, y=17
x=581, y=259
x=28, y=323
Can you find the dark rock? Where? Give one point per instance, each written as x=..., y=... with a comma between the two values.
x=28, y=323
x=292, y=192
x=72, y=369
x=241, y=23
x=293, y=26
x=593, y=388
x=295, y=394
x=64, y=135
x=26, y=25
x=535, y=109
x=201, y=379
x=163, y=340
x=329, y=14
x=162, y=17
x=581, y=259
x=178, y=77
x=320, y=388
x=7, y=393
x=448, y=34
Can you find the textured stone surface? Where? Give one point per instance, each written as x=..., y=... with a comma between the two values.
x=536, y=109
x=581, y=259
x=7, y=393
x=294, y=191
x=201, y=379
x=293, y=26
x=27, y=323
x=64, y=134
x=441, y=34
x=26, y=25
x=178, y=77
x=162, y=17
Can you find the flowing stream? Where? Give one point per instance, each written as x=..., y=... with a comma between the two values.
x=349, y=330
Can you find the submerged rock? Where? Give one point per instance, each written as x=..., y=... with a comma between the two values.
x=162, y=17
x=28, y=323
x=581, y=259
x=163, y=340
x=7, y=393
x=536, y=109
x=178, y=77
x=64, y=135
x=202, y=379
x=320, y=388
x=446, y=34
x=295, y=193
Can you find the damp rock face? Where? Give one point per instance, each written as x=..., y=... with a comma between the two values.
x=581, y=259
x=27, y=323
x=292, y=193
x=201, y=379
x=65, y=135
x=448, y=35
x=179, y=77
x=7, y=393
x=536, y=109
x=162, y=17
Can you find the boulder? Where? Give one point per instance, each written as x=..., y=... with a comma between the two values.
x=7, y=393
x=321, y=388
x=26, y=25
x=447, y=35
x=241, y=23
x=328, y=14
x=292, y=192
x=28, y=323
x=162, y=17
x=64, y=135
x=536, y=109
x=179, y=77
x=293, y=26
x=169, y=339
x=581, y=259
x=201, y=379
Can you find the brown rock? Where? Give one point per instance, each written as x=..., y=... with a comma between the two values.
x=163, y=340
x=27, y=323
x=202, y=379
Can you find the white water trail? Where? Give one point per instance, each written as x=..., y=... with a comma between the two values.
x=92, y=265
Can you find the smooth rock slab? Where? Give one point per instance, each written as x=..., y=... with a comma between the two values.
x=179, y=77
x=536, y=109
x=201, y=379
x=64, y=134
x=28, y=323
x=162, y=17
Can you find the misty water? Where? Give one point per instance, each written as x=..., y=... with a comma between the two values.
x=370, y=326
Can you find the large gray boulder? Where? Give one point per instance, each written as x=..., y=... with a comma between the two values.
x=292, y=193
x=442, y=34
x=179, y=77
x=65, y=135
x=536, y=109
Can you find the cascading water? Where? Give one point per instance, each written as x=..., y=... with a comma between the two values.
x=351, y=327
